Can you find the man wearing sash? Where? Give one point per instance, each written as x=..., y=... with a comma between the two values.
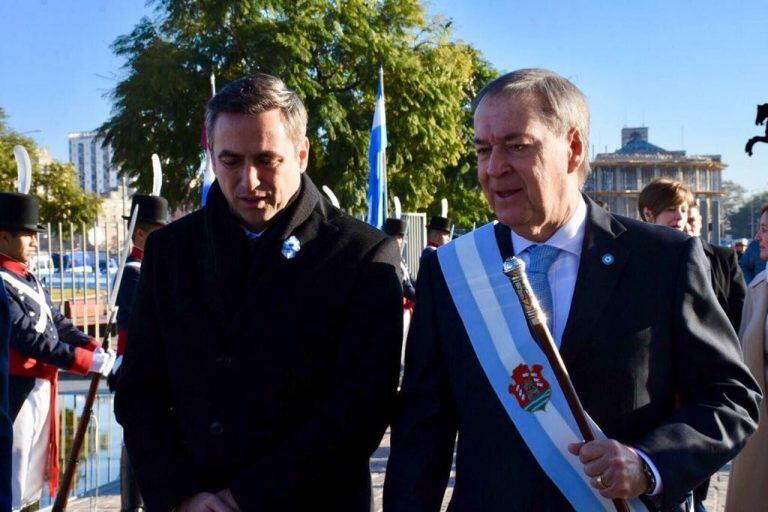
x=152, y=214
x=42, y=342
x=650, y=352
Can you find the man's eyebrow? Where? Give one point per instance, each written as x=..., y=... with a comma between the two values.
x=261, y=154
x=506, y=138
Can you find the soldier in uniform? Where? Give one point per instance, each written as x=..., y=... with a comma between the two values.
x=438, y=234
x=42, y=342
x=398, y=229
x=153, y=213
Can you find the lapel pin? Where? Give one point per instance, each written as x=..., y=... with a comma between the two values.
x=291, y=247
x=608, y=259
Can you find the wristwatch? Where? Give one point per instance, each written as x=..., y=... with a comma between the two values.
x=648, y=472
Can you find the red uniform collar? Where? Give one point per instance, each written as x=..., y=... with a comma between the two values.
x=13, y=265
x=137, y=253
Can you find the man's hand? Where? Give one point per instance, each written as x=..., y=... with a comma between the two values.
x=617, y=467
x=226, y=497
x=205, y=502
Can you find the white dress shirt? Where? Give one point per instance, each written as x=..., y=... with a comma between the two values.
x=562, y=274
x=569, y=238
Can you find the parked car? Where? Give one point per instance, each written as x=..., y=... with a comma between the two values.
x=76, y=262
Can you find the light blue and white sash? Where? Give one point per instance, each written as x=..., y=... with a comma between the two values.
x=496, y=326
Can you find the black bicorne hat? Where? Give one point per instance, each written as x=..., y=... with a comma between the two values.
x=394, y=227
x=19, y=211
x=439, y=223
x=152, y=209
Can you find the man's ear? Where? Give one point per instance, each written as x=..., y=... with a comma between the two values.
x=304, y=154
x=576, y=150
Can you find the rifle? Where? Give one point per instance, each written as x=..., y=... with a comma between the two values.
x=62, y=496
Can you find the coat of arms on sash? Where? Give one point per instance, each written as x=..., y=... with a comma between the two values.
x=530, y=387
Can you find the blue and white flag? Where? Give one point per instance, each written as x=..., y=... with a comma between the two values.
x=208, y=176
x=516, y=368
x=377, y=179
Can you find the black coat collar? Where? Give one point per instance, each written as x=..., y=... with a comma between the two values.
x=230, y=267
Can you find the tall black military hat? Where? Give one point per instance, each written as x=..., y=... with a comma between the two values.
x=440, y=224
x=394, y=227
x=152, y=209
x=20, y=211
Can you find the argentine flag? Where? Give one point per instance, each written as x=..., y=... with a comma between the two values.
x=377, y=179
x=208, y=176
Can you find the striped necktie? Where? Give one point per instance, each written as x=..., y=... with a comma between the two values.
x=541, y=258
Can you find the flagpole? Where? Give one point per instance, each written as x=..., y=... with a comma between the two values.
x=384, y=184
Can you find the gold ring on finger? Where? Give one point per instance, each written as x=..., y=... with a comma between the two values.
x=600, y=482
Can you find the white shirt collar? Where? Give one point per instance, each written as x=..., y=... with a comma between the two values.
x=568, y=237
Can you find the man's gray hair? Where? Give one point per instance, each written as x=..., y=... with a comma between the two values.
x=254, y=94
x=562, y=105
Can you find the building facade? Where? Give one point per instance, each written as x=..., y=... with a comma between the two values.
x=617, y=178
x=93, y=162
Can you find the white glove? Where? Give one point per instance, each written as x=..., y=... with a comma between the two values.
x=102, y=361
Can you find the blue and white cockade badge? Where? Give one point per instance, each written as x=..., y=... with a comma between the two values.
x=291, y=247
x=608, y=259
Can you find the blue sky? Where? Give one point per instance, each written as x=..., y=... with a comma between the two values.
x=692, y=71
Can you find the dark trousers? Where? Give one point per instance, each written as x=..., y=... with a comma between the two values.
x=130, y=497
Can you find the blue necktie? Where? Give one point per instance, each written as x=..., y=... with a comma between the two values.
x=541, y=257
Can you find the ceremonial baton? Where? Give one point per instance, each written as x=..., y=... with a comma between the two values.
x=62, y=496
x=514, y=269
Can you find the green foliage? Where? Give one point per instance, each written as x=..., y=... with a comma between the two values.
x=61, y=198
x=329, y=52
x=745, y=220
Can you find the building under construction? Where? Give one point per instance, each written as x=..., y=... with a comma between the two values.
x=617, y=178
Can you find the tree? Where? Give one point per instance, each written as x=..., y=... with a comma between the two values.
x=745, y=220
x=329, y=52
x=731, y=201
x=55, y=185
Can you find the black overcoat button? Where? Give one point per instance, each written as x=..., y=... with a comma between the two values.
x=216, y=428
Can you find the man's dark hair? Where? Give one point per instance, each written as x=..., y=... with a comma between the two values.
x=254, y=94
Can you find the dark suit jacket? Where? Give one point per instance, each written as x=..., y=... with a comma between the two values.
x=727, y=280
x=643, y=333
x=244, y=369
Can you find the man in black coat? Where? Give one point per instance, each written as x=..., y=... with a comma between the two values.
x=727, y=277
x=264, y=344
x=651, y=354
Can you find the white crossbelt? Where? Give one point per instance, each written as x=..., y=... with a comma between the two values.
x=37, y=295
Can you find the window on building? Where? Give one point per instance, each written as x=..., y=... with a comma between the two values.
x=689, y=178
x=670, y=172
x=648, y=174
x=630, y=178
x=589, y=183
